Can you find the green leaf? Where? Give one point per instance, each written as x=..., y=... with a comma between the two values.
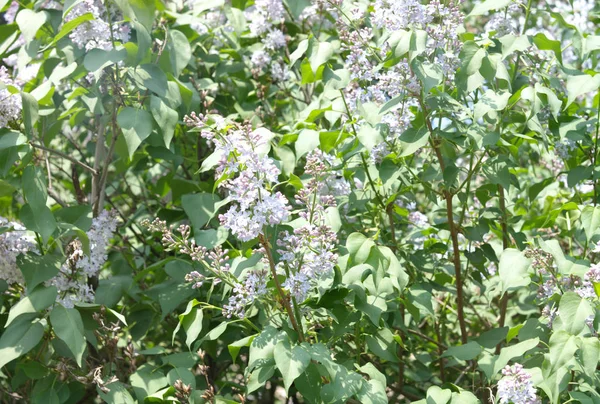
x=412, y=140
x=117, y=394
x=30, y=22
x=201, y=208
x=71, y=25
x=68, y=326
x=488, y=5
x=581, y=84
x=544, y=43
x=11, y=139
x=291, y=362
x=359, y=247
x=39, y=219
x=180, y=51
x=590, y=221
x=466, y=352
x=513, y=269
x=165, y=117
x=151, y=77
x=430, y=74
x=319, y=53
x=573, y=311
x=369, y=136
x=18, y=339
x=182, y=374
x=383, y=345
x=34, y=187
x=146, y=381
x=562, y=349
x=39, y=299
x=235, y=347
x=136, y=125
x=37, y=269
x=192, y=324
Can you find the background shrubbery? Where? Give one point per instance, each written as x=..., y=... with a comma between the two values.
x=292, y=201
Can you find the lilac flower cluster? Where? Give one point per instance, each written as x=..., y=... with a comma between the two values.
x=251, y=176
x=244, y=294
x=72, y=279
x=10, y=104
x=307, y=254
x=264, y=18
x=12, y=243
x=96, y=33
x=516, y=386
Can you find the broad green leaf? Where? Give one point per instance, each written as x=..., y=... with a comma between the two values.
x=182, y=374
x=291, y=361
x=19, y=338
x=136, y=125
x=180, y=51
x=580, y=85
x=39, y=299
x=165, y=117
x=468, y=351
x=412, y=140
x=68, y=326
x=11, y=139
x=235, y=347
x=383, y=345
x=483, y=7
x=201, y=208
x=30, y=22
x=590, y=220
x=38, y=268
x=573, y=311
x=514, y=270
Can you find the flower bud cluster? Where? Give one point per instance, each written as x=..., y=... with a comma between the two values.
x=516, y=386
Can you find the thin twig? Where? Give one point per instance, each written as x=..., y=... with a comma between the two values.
x=65, y=156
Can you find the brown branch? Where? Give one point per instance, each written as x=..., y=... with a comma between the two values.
x=65, y=156
x=284, y=300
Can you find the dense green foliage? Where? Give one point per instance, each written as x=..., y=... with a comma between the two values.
x=293, y=201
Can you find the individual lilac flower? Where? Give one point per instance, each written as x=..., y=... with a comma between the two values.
x=10, y=104
x=516, y=386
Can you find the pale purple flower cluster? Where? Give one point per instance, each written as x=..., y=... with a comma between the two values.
x=12, y=243
x=72, y=279
x=264, y=15
x=99, y=235
x=11, y=12
x=564, y=148
x=252, y=174
x=96, y=33
x=10, y=104
x=244, y=294
x=516, y=386
x=307, y=254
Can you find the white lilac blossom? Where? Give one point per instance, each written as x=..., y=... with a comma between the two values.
x=307, y=254
x=516, y=386
x=11, y=12
x=96, y=33
x=10, y=104
x=102, y=230
x=564, y=148
x=550, y=313
x=72, y=281
x=264, y=15
x=260, y=59
x=274, y=40
x=252, y=175
x=12, y=243
x=280, y=72
x=244, y=294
